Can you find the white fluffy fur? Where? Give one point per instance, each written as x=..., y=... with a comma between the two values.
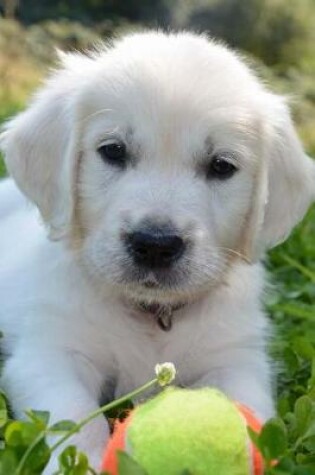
x=73, y=333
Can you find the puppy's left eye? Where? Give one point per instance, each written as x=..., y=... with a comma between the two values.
x=220, y=167
x=113, y=153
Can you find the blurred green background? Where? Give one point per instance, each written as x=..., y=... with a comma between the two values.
x=278, y=38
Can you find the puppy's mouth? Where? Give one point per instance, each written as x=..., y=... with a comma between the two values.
x=150, y=284
x=152, y=281
x=157, y=280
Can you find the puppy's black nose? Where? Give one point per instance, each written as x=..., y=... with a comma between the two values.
x=155, y=248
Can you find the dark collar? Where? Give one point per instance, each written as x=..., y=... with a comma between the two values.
x=163, y=314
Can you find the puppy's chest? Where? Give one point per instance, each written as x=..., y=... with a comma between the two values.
x=136, y=360
x=127, y=352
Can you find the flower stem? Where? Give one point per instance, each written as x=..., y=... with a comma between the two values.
x=101, y=410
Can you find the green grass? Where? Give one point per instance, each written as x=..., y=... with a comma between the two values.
x=292, y=268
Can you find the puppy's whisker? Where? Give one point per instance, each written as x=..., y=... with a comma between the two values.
x=228, y=250
x=236, y=253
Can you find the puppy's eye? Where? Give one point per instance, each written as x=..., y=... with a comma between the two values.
x=114, y=153
x=220, y=167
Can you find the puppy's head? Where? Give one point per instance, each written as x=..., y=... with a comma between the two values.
x=163, y=159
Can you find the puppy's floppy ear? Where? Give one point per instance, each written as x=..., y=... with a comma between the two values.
x=287, y=179
x=40, y=149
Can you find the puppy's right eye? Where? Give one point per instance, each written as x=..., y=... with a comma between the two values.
x=114, y=153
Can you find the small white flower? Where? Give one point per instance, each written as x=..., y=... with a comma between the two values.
x=165, y=373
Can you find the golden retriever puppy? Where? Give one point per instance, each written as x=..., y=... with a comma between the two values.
x=162, y=170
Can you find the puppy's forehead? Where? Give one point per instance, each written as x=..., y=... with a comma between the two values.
x=168, y=81
x=174, y=66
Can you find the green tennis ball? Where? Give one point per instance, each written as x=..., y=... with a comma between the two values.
x=198, y=441
x=201, y=431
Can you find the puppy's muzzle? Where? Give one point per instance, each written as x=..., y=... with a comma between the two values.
x=157, y=247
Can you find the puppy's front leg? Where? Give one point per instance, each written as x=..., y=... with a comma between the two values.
x=58, y=383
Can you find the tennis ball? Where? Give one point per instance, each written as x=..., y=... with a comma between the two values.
x=200, y=431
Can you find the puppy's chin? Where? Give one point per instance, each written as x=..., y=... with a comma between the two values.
x=148, y=296
x=177, y=293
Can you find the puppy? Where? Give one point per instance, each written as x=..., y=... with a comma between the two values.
x=162, y=170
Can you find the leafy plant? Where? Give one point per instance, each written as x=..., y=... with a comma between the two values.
x=24, y=449
x=287, y=442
